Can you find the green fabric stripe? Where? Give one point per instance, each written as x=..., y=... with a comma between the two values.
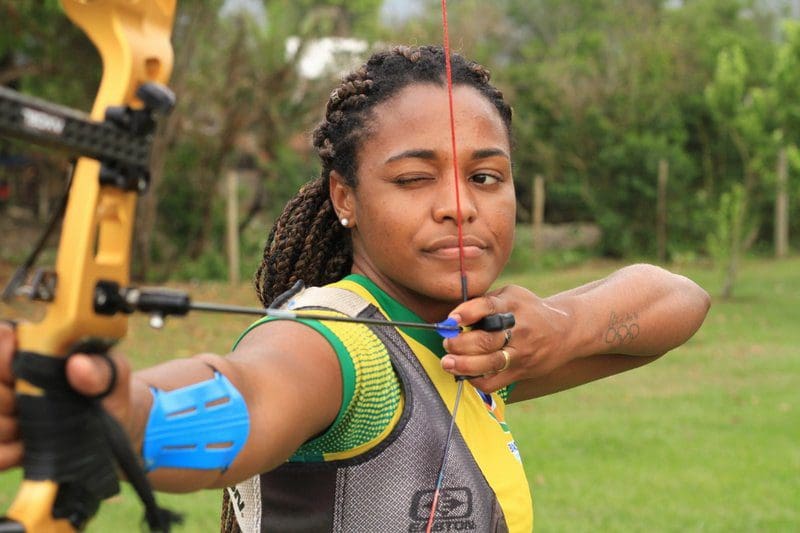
x=395, y=311
x=345, y=362
x=505, y=392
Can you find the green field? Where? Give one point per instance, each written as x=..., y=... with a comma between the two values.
x=705, y=439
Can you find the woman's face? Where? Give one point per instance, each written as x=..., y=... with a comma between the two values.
x=403, y=213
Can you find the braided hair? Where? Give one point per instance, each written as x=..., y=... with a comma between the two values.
x=307, y=241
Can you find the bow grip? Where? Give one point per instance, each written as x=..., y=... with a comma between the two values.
x=496, y=322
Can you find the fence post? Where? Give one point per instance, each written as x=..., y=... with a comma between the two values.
x=661, y=210
x=233, y=226
x=537, y=211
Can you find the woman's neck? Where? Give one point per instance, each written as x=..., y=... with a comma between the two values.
x=427, y=308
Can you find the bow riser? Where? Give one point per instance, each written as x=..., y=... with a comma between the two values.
x=133, y=39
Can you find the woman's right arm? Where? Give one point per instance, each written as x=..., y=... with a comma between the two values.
x=288, y=376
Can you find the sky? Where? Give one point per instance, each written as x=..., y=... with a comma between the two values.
x=392, y=10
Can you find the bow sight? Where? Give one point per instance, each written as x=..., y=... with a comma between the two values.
x=121, y=143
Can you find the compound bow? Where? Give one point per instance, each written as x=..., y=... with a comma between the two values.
x=67, y=465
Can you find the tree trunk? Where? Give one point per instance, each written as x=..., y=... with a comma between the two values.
x=232, y=124
x=782, y=206
x=537, y=211
x=233, y=227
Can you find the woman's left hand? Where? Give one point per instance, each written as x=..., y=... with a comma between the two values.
x=532, y=348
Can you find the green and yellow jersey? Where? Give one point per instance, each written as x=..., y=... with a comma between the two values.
x=374, y=405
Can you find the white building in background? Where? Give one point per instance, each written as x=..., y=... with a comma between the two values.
x=323, y=56
x=327, y=55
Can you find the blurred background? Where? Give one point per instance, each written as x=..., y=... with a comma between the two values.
x=659, y=131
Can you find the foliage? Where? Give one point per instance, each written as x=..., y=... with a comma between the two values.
x=602, y=91
x=34, y=38
x=254, y=117
x=785, y=78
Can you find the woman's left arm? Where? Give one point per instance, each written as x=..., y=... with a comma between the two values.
x=623, y=321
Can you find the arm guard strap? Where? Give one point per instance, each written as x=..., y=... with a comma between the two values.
x=202, y=426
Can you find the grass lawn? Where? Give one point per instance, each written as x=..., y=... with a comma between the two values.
x=705, y=439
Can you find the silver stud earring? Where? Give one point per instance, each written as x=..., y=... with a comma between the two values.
x=345, y=222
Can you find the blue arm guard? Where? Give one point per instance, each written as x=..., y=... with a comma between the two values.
x=202, y=426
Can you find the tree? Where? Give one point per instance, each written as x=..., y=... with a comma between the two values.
x=742, y=115
x=785, y=82
x=245, y=102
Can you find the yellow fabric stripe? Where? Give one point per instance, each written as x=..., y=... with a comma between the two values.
x=483, y=434
x=367, y=446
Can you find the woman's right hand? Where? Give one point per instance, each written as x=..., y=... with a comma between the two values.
x=10, y=444
x=89, y=375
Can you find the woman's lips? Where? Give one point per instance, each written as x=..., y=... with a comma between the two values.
x=448, y=247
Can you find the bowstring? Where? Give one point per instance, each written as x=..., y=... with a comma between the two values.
x=462, y=270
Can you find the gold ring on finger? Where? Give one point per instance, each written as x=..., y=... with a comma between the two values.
x=507, y=362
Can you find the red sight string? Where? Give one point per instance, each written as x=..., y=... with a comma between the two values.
x=456, y=177
x=462, y=270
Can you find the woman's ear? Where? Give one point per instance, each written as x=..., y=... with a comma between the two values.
x=343, y=199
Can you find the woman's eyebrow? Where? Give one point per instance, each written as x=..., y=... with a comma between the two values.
x=430, y=155
x=489, y=152
x=416, y=153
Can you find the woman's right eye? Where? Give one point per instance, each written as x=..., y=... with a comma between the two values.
x=410, y=180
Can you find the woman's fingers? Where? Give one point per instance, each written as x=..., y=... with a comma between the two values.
x=471, y=311
x=477, y=342
x=479, y=365
x=8, y=344
x=10, y=445
x=90, y=375
x=8, y=401
x=10, y=454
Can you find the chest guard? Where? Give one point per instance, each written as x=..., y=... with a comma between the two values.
x=388, y=488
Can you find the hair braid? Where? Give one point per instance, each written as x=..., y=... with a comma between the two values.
x=228, y=523
x=307, y=242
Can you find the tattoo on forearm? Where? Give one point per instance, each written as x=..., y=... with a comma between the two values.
x=622, y=329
